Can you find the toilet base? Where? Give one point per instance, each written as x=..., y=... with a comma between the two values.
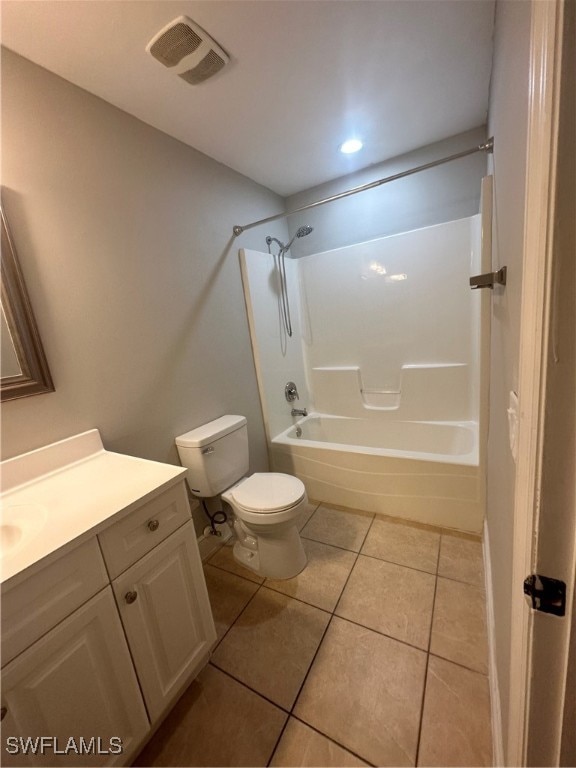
x=275, y=555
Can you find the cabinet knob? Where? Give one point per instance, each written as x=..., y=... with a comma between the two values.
x=131, y=596
x=153, y=525
x=3, y=713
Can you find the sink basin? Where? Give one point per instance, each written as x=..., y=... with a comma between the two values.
x=10, y=535
x=18, y=524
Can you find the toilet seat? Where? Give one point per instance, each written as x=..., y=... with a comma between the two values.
x=268, y=492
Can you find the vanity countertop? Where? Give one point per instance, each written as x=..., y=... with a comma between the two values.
x=60, y=494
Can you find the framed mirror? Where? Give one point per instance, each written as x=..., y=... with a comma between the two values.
x=23, y=366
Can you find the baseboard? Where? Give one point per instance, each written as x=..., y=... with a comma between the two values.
x=496, y=712
x=208, y=543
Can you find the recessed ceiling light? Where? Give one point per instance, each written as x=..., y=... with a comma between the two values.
x=350, y=146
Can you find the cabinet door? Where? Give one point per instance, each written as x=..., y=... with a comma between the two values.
x=165, y=610
x=75, y=682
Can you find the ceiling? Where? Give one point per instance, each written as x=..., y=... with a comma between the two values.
x=304, y=75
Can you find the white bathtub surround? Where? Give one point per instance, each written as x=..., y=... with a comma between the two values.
x=435, y=391
x=389, y=343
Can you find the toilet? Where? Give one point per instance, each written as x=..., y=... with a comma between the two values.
x=266, y=505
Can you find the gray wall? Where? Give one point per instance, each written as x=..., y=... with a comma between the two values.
x=124, y=236
x=444, y=193
x=508, y=123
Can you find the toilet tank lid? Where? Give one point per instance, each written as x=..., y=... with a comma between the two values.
x=207, y=433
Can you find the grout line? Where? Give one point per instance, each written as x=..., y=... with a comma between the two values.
x=336, y=546
x=353, y=565
x=249, y=687
x=422, y=710
x=400, y=565
x=237, y=617
x=231, y=573
x=382, y=634
x=421, y=723
x=299, y=599
x=327, y=627
x=330, y=738
x=460, y=581
x=278, y=740
x=459, y=664
x=311, y=664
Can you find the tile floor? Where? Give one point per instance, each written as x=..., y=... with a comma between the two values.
x=376, y=654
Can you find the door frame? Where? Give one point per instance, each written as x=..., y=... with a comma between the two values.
x=541, y=159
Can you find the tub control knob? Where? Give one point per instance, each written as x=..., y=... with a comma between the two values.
x=291, y=392
x=131, y=596
x=153, y=525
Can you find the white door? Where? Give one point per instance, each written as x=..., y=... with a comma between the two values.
x=166, y=613
x=76, y=681
x=543, y=701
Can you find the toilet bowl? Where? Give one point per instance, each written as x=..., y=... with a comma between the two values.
x=266, y=505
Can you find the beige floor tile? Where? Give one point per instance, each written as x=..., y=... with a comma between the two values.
x=459, y=624
x=272, y=644
x=365, y=691
x=461, y=560
x=216, y=722
x=338, y=527
x=456, y=727
x=403, y=544
x=391, y=599
x=302, y=746
x=323, y=579
x=228, y=596
x=307, y=513
x=224, y=558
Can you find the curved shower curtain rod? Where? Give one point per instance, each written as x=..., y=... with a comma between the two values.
x=487, y=147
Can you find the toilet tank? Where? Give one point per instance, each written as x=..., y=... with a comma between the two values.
x=215, y=455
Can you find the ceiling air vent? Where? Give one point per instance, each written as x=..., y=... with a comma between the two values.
x=187, y=48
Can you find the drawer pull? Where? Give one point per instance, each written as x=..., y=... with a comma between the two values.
x=131, y=596
x=153, y=525
x=3, y=713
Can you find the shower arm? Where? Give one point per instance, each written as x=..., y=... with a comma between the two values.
x=487, y=147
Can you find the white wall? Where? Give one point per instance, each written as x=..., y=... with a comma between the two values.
x=279, y=357
x=124, y=236
x=444, y=193
x=508, y=120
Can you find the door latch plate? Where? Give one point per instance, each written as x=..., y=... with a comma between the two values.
x=546, y=594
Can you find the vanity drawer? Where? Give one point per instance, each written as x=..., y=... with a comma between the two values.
x=36, y=604
x=131, y=538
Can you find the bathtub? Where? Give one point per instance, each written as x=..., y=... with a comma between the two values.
x=423, y=471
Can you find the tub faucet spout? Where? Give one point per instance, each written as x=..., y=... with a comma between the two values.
x=299, y=412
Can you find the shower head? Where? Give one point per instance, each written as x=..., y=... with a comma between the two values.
x=300, y=232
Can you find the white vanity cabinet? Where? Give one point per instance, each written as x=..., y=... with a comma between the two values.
x=76, y=681
x=105, y=612
x=165, y=610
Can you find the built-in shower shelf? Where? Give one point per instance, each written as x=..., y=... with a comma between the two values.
x=386, y=399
